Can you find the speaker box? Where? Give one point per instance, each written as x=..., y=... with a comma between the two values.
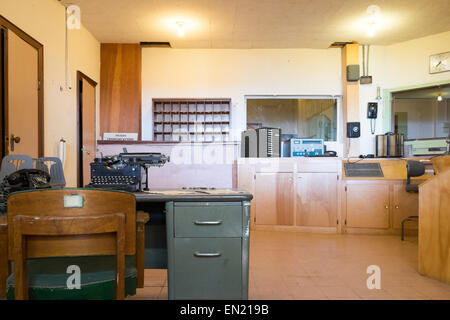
x=353, y=129
x=353, y=72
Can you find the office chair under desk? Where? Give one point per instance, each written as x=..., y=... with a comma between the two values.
x=413, y=169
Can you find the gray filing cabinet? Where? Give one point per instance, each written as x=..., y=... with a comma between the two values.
x=207, y=248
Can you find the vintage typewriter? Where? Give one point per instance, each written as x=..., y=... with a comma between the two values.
x=123, y=172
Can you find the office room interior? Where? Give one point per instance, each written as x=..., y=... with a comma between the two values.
x=225, y=150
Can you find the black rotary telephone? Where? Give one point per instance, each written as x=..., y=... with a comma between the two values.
x=26, y=179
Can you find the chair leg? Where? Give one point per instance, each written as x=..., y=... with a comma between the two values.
x=20, y=265
x=120, y=256
x=5, y=266
x=142, y=219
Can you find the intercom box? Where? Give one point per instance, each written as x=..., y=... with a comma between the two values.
x=353, y=129
x=353, y=72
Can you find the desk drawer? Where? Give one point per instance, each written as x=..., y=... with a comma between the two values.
x=208, y=221
x=207, y=268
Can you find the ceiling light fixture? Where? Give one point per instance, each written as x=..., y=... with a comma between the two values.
x=180, y=28
x=373, y=11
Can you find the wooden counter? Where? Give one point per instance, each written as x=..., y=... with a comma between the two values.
x=434, y=227
x=393, y=169
x=314, y=195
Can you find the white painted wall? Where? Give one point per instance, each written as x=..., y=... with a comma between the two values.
x=44, y=20
x=400, y=65
x=229, y=73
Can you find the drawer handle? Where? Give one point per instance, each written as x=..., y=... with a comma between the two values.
x=207, y=255
x=208, y=223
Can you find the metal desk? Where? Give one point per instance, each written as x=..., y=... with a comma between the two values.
x=174, y=230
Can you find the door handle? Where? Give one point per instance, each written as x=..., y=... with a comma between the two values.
x=84, y=149
x=13, y=141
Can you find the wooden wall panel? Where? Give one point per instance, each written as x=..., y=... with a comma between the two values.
x=434, y=227
x=120, y=88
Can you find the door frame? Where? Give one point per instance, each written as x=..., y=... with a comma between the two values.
x=8, y=26
x=80, y=77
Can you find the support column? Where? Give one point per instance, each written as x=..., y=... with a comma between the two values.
x=350, y=98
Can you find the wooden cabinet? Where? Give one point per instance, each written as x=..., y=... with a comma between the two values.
x=316, y=199
x=379, y=205
x=403, y=205
x=367, y=205
x=274, y=198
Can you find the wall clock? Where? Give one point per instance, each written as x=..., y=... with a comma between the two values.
x=440, y=62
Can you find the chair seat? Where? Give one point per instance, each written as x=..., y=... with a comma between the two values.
x=47, y=278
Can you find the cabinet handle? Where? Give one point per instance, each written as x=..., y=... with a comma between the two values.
x=396, y=207
x=387, y=207
x=208, y=223
x=207, y=255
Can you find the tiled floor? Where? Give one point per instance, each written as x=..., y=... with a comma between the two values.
x=289, y=265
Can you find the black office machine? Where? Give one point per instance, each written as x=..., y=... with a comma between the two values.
x=124, y=172
x=261, y=143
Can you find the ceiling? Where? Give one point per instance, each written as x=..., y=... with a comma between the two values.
x=260, y=23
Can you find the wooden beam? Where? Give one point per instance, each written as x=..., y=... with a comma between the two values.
x=120, y=88
x=350, y=96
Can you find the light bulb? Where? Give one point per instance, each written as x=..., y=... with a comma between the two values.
x=373, y=13
x=371, y=31
x=180, y=28
x=439, y=98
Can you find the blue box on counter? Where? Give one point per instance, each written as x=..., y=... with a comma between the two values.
x=306, y=147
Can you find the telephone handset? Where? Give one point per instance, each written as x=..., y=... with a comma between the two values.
x=25, y=179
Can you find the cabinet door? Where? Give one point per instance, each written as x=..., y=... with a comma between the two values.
x=368, y=205
x=316, y=199
x=274, y=198
x=404, y=204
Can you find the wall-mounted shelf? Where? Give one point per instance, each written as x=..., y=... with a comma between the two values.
x=203, y=120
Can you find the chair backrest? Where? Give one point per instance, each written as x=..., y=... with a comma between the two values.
x=53, y=166
x=441, y=163
x=413, y=169
x=72, y=203
x=27, y=227
x=14, y=162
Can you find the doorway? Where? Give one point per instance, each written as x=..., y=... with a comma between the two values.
x=86, y=145
x=21, y=93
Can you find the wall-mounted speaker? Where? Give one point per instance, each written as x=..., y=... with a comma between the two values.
x=353, y=72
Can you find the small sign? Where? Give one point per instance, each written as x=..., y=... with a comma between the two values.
x=74, y=201
x=111, y=136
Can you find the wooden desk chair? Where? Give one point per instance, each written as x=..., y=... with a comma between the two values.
x=41, y=214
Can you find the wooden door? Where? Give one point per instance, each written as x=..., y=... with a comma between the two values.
x=368, y=205
x=22, y=120
x=87, y=134
x=316, y=199
x=274, y=198
x=404, y=204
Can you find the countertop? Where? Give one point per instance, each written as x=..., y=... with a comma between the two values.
x=164, y=195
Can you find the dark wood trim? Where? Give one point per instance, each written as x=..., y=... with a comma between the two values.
x=3, y=88
x=8, y=26
x=80, y=77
